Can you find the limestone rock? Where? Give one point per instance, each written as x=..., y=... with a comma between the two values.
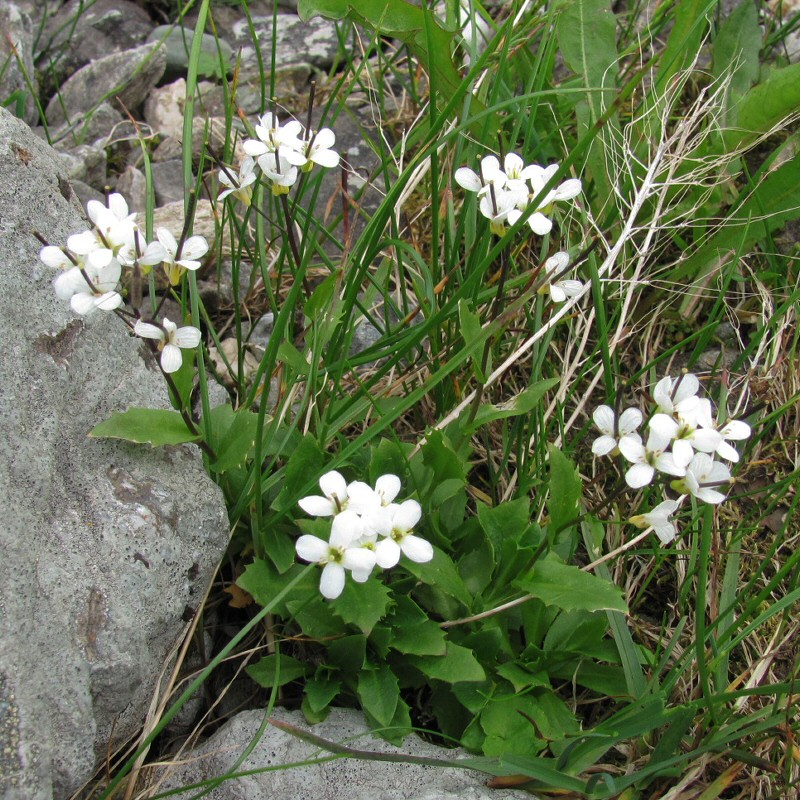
x=340, y=779
x=107, y=547
x=129, y=75
x=18, y=30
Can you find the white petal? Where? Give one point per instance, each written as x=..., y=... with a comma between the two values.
x=407, y=515
x=666, y=463
x=708, y=495
x=317, y=506
x=661, y=393
x=571, y=288
x=557, y=294
x=639, y=475
x=359, y=560
x=664, y=427
x=388, y=487
x=361, y=498
x=682, y=452
x=311, y=548
x=688, y=387
x=70, y=282
x=333, y=483
x=603, y=417
x=630, y=420
x=513, y=164
x=325, y=139
x=331, y=581
x=539, y=223
x=254, y=148
x=417, y=549
x=724, y=450
x=188, y=336
x=169, y=242
x=468, y=179
x=325, y=158
x=194, y=247
x=154, y=253
x=147, y=330
x=117, y=205
x=490, y=169
x=346, y=529
x=556, y=263
x=567, y=190
x=603, y=445
x=632, y=448
x=171, y=358
x=108, y=301
x=83, y=243
x=82, y=303
x=706, y=439
x=735, y=429
x=387, y=553
x=665, y=531
x=54, y=257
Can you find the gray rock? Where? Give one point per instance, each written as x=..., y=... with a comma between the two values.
x=340, y=779
x=82, y=32
x=216, y=55
x=164, y=109
x=100, y=123
x=129, y=76
x=105, y=545
x=314, y=42
x=168, y=181
x=18, y=30
x=132, y=185
x=87, y=163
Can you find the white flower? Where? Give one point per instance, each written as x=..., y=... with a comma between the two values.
x=678, y=395
x=538, y=177
x=171, y=338
x=113, y=235
x=491, y=174
x=55, y=257
x=276, y=138
x=317, y=148
x=560, y=289
x=611, y=430
x=500, y=208
x=240, y=187
x=99, y=293
x=686, y=436
x=659, y=520
x=401, y=539
x=194, y=247
x=363, y=499
x=646, y=459
x=334, y=487
x=702, y=475
x=735, y=430
x=279, y=171
x=341, y=553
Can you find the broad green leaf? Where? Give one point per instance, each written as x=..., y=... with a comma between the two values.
x=457, y=665
x=522, y=403
x=276, y=670
x=234, y=436
x=363, y=604
x=505, y=521
x=735, y=52
x=423, y=639
x=471, y=330
x=262, y=581
x=521, y=678
x=683, y=45
x=773, y=200
x=765, y=105
x=315, y=616
x=154, y=426
x=398, y=728
x=378, y=692
x=565, y=492
x=307, y=460
x=569, y=588
x=348, y=653
x=320, y=691
x=290, y=355
x=440, y=572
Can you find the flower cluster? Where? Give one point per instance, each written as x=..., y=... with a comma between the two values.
x=92, y=263
x=683, y=441
x=505, y=194
x=368, y=529
x=281, y=152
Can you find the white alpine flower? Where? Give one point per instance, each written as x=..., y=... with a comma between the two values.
x=400, y=538
x=686, y=437
x=279, y=171
x=99, y=293
x=276, y=138
x=702, y=477
x=678, y=396
x=334, y=501
x=538, y=176
x=559, y=289
x=194, y=248
x=240, y=187
x=659, y=520
x=317, y=148
x=171, y=339
x=613, y=431
x=342, y=552
x=647, y=458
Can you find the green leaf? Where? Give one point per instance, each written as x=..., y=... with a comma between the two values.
x=262, y=581
x=320, y=691
x=440, y=572
x=290, y=355
x=457, y=665
x=565, y=491
x=307, y=460
x=569, y=588
x=154, y=426
x=522, y=403
x=348, y=653
x=363, y=604
x=735, y=51
x=505, y=521
x=276, y=668
x=765, y=105
x=423, y=639
x=234, y=436
x=379, y=692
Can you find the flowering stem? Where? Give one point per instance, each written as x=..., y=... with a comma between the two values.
x=293, y=246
